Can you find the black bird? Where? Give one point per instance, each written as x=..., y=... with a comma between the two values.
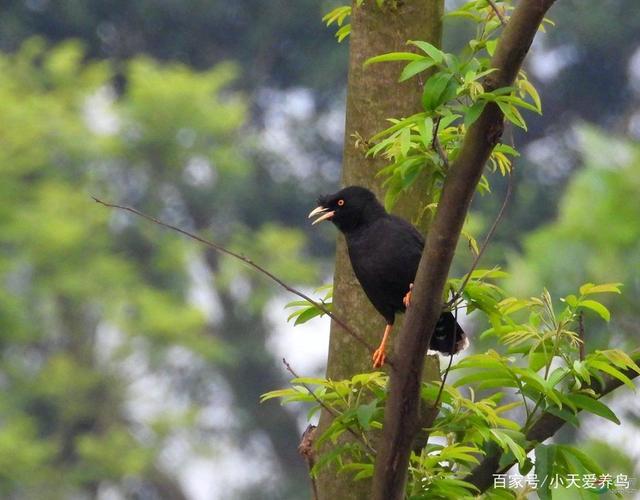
x=385, y=252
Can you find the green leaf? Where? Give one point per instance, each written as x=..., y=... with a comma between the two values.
x=460, y=453
x=505, y=148
x=337, y=15
x=398, y=125
x=593, y=406
x=516, y=101
x=367, y=471
x=393, y=56
x=489, y=360
x=439, y=89
x=426, y=131
x=307, y=315
x=415, y=67
x=473, y=113
x=538, y=359
x=508, y=443
x=493, y=383
x=284, y=393
x=491, y=46
x=615, y=373
x=596, y=307
x=545, y=456
x=527, y=87
x=557, y=376
x=465, y=14
x=483, y=376
x=493, y=273
x=572, y=300
x=512, y=114
x=365, y=414
x=343, y=32
x=589, y=288
x=589, y=463
x=526, y=467
x=620, y=359
x=564, y=414
x=580, y=368
x=405, y=141
x=433, y=52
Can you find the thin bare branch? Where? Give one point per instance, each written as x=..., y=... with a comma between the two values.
x=437, y=146
x=249, y=262
x=487, y=239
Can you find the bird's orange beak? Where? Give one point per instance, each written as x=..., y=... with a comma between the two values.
x=326, y=214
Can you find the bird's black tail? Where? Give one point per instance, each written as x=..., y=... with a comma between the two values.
x=443, y=335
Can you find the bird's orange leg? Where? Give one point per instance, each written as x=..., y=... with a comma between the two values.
x=379, y=354
x=407, y=298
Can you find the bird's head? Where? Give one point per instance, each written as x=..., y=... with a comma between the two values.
x=348, y=209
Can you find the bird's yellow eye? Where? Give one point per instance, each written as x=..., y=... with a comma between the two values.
x=340, y=203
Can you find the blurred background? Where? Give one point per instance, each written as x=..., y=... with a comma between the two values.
x=131, y=360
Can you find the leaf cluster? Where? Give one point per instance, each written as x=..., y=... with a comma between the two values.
x=456, y=89
x=540, y=371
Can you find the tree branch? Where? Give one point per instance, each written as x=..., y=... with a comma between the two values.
x=437, y=146
x=306, y=450
x=543, y=428
x=257, y=267
x=402, y=409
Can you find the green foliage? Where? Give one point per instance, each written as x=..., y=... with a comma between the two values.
x=305, y=310
x=595, y=236
x=540, y=372
x=357, y=405
x=455, y=95
x=67, y=276
x=93, y=303
x=339, y=15
x=539, y=366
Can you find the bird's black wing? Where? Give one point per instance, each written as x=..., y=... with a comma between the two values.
x=385, y=257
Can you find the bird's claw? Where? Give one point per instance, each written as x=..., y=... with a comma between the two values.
x=378, y=357
x=407, y=298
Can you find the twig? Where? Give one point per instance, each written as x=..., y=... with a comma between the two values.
x=435, y=144
x=496, y=9
x=333, y=412
x=306, y=450
x=257, y=267
x=485, y=243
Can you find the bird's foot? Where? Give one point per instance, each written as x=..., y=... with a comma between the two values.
x=407, y=298
x=380, y=353
x=379, y=356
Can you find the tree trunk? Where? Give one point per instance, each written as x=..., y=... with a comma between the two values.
x=373, y=95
